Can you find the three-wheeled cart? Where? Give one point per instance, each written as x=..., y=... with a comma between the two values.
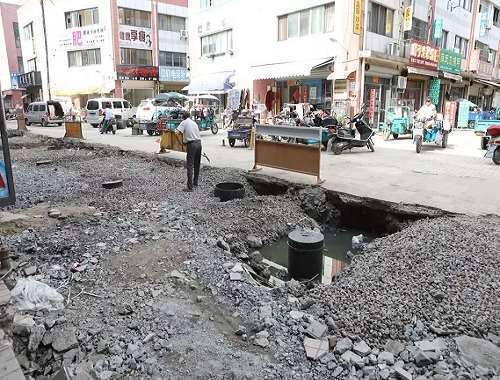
x=241, y=130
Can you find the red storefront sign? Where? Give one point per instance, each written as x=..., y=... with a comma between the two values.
x=146, y=73
x=371, y=108
x=424, y=55
x=450, y=110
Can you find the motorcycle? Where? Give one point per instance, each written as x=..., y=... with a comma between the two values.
x=345, y=138
x=110, y=127
x=493, y=151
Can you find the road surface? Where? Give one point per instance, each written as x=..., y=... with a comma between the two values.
x=457, y=179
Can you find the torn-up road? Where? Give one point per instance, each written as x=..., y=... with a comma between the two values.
x=156, y=282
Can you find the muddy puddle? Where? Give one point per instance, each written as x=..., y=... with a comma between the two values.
x=338, y=244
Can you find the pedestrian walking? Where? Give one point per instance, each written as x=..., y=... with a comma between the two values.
x=191, y=137
x=108, y=116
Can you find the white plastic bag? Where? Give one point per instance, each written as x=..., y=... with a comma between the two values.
x=29, y=294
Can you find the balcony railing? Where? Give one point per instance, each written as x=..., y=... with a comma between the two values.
x=31, y=79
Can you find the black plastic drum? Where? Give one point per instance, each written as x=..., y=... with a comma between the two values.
x=305, y=254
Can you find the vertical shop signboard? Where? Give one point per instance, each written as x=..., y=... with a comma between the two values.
x=7, y=194
x=357, y=17
x=407, y=18
x=463, y=114
x=438, y=28
x=434, y=90
x=450, y=111
x=371, y=108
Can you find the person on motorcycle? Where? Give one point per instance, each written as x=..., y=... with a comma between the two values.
x=108, y=116
x=427, y=113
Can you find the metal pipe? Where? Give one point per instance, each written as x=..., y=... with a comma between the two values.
x=46, y=48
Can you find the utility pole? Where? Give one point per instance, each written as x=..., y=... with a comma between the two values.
x=46, y=48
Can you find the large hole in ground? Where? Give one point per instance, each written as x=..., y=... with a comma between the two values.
x=341, y=217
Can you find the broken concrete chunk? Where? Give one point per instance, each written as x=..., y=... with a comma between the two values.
x=235, y=276
x=315, y=348
x=221, y=243
x=316, y=330
x=36, y=335
x=295, y=314
x=394, y=346
x=361, y=348
x=438, y=344
x=402, y=374
x=238, y=268
x=63, y=338
x=343, y=345
x=480, y=352
x=261, y=342
x=30, y=271
x=254, y=242
x=386, y=357
x=22, y=324
x=351, y=357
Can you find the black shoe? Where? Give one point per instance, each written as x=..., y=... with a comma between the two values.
x=187, y=190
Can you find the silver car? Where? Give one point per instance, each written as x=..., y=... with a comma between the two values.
x=44, y=113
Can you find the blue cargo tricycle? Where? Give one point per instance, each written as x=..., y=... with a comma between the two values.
x=429, y=130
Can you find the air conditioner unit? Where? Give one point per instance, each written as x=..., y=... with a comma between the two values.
x=401, y=82
x=184, y=34
x=393, y=49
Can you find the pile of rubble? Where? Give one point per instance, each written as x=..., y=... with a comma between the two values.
x=157, y=283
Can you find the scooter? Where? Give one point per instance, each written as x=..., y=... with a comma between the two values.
x=111, y=127
x=493, y=151
x=345, y=138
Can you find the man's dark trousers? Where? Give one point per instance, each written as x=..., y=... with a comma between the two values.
x=193, y=162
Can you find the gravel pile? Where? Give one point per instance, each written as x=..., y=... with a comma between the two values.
x=443, y=272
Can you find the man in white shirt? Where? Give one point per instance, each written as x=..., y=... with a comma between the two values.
x=108, y=116
x=191, y=137
x=427, y=113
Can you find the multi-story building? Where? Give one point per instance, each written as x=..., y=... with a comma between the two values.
x=11, y=61
x=287, y=48
x=385, y=51
x=87, y=48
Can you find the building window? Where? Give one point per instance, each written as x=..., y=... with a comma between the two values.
x=419, y=29
x=84, y=57
x=171, y=23
x=134, y=17
x=28, y=31
x=306, y=22
x=82, y=17
x=465, y=4
x=31, y=65
x=217, y=43
x=443, y=41
x=173, y=59
x=496, y=17
x=207, y=3
x=20, y=65
x=461, y=45
x=17, y=38
x=380, y=20
x=485, y=53
x=138, y=57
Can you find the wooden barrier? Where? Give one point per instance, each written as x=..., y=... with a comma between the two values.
x=300, y=158
x=73, y=129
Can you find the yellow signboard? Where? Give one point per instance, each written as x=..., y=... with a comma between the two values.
x=407, y=18
x=357, y=17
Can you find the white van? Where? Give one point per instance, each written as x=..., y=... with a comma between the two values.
x=95, y=110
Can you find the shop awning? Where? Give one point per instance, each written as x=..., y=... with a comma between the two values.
x=419, y=71
x=487, y=83
x=454, y=77
x=287, y=69
x=211, y=83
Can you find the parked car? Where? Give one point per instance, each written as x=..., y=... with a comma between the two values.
x=147, y=109
x=95, y=110
x=45, y=113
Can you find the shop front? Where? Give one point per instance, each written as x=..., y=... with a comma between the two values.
x=137, y=82
x=423, y=77
x=172, y=78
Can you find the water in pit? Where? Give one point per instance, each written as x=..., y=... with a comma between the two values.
x=337, y=243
